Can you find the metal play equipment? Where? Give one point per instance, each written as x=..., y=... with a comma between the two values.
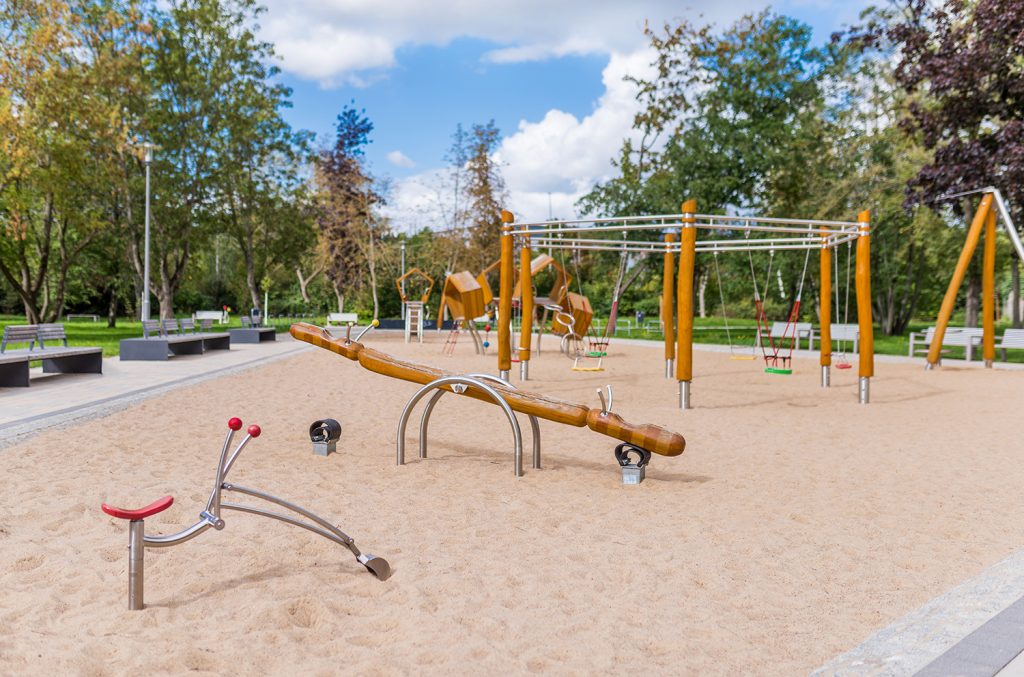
x=210, y=516
x=680, y=238
x=324, y=434
x=984, y=218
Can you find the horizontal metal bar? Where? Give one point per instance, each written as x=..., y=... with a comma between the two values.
x=700, y=247
x=662, y=221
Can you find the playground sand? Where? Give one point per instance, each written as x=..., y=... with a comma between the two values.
x=796, y=524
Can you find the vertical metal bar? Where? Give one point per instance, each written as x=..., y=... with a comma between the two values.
x=526, y=301
x=136, y=563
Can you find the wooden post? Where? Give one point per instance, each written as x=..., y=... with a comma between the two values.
x=507, y=272
x=526, y=299
x=949, y=300
x=668, y=305
x=864, y=319
x=988, y=291
x=684, y=302
x=825, y=304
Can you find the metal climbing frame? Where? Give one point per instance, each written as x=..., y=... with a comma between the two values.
x=138, y=541
x=760, y=233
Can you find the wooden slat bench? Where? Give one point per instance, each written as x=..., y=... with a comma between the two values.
x=14, y=364
x=844, y=333
x=252, y=332
x=164, y=339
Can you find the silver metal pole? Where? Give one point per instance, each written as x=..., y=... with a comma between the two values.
x=148, y=159
x=524, y=371
x=403, y=278
x=826, y=376
x=864, y=390
x=670, y=368
x=136, y=562
x=684, y=394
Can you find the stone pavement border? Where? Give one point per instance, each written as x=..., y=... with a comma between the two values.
x=18, y=431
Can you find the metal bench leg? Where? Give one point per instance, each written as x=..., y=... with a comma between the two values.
x=14, y=375
x=74, y=364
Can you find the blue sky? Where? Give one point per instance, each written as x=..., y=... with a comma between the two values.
x=549, y=72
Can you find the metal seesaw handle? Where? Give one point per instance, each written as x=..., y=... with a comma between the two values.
x=234, y=424
x=251, y=432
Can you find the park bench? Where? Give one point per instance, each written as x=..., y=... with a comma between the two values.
x=1013, y=339
x=218, y=316
x=14, y=364
x=804, y=330
x=844, y=333
x=961, y=337
x=342, y=318
x=252, y=332
x=82, y=316
x=163, y=339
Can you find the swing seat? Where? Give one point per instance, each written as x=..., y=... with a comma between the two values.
x=745, y=358
x=777, y=370
x=588, y=368
x=844, y=365
x=596, y=353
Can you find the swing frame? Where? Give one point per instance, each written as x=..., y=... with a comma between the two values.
x=680, y=239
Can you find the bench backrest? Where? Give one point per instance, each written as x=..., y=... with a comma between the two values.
x=780, y=329
x=246, y=321
x=844, y=332
x=208, y=315
x=52, y=332
x=205, y=323
x=1012, y=338
x=20, y=333
x=151, y=328
x=955, y=336
x=342, y=318
x=170, y=327
x=187, y=325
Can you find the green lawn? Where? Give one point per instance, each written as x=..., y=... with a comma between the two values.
x=706, y=330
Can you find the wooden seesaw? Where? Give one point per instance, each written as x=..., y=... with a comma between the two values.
x=643, y=439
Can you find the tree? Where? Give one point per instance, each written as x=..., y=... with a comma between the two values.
x=349, y=229
x=485, y=194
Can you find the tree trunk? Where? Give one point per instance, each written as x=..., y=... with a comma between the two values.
x=1015, y=293
x=702, y=286
x=973, y=300
x=304, y=281
x=373, y=276
x=112, y=307
x=339, y=296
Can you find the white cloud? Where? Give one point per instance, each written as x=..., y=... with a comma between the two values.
x=334, y=41
x=550, y=164
x=400, y=159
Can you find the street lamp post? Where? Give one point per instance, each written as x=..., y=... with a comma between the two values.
x=147, y=160
x=403, y=278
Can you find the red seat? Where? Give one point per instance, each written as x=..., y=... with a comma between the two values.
x=142, y=513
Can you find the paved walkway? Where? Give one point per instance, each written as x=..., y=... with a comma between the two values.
x=60, y=399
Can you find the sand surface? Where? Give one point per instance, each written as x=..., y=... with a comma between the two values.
x=796, y=523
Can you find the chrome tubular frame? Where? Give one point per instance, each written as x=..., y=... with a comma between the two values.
x=458, y=385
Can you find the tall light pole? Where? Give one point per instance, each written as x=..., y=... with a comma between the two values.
x=147, y=159
x=403, y=278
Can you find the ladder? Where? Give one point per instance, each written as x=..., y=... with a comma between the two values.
x=453, y=337
x=414, y=320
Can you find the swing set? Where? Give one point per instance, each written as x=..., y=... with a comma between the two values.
x=750, y=234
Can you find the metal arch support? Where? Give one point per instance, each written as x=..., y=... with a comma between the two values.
x=429, y=408
x=403, y=421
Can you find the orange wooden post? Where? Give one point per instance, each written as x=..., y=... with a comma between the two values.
x=684, y=302
x=988, y=291
x=864, y=319
x=825, y=304
x=668, y=318
x=526, y=298
x=949, y=300
x=507, y=271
